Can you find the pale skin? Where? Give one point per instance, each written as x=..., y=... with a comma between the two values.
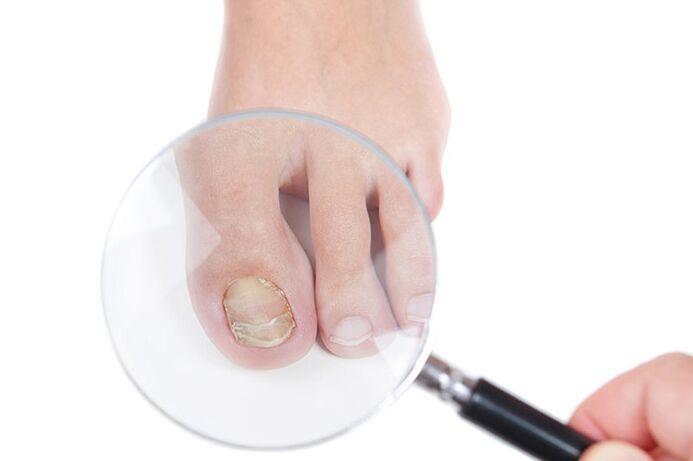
x=368, y=65
x=645, y=413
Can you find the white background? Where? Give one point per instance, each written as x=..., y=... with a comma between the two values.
x=566, y=249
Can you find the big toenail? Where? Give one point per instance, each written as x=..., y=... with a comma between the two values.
x=258, y=312
x=352, y=331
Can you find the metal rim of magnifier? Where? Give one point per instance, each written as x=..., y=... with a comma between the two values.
x=335, y=127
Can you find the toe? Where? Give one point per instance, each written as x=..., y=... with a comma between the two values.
x=353, y=310
x=409, y=256
x=250, y=282
x=424, y=174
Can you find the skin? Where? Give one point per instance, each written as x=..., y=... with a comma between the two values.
x=645, y=413
x=366, y=64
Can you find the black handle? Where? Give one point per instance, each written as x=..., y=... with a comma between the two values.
x=522, y=425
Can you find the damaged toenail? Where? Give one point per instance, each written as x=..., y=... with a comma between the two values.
x=258, y=312
x=352, y=331
x=419, y=308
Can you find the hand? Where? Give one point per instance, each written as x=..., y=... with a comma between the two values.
x=645, y=414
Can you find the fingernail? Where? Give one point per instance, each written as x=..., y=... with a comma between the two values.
x=258, y=312
x=419, y=308
x=352, y=331
x=615, y=451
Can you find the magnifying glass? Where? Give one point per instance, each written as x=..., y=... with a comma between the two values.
x=268, y=282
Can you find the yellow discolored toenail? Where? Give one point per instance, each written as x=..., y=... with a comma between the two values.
x=258, y=312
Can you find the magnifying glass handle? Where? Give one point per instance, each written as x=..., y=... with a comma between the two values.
x=504, y=415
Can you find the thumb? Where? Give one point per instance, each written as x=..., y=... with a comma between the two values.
x=614, y=451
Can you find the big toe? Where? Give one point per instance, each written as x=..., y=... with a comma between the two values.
x=249, y=279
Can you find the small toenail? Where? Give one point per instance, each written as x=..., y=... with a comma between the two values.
x=419, y=308
x=352, y=331
x=258, y=312
x=415, y=329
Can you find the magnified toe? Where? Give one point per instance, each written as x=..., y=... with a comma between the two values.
x=250, y=282
x=253, y=294
x=354, y=315
x=409, y=260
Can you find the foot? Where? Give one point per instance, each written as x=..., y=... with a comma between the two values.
x=367, y=65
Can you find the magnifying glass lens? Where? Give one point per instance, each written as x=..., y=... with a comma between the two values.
x=268, y=280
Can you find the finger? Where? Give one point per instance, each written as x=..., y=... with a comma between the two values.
x=650, y=406
x=614, y=451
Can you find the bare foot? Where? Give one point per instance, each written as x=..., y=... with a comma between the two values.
x=368, y=65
